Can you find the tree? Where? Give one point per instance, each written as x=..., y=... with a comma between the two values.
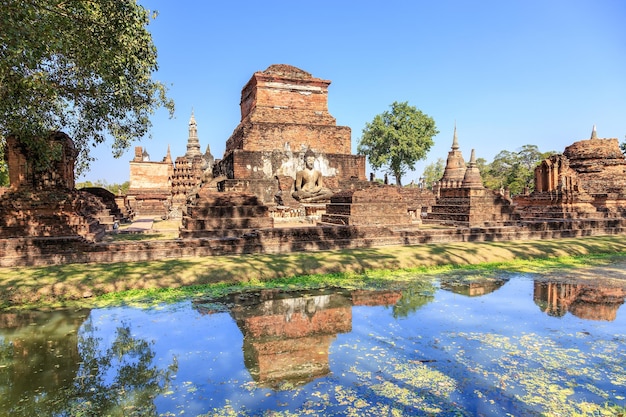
x=114, y=188
x=397, y=139
x=81, y=66
x=433, y=172
x=514, y=170
x=4, y=169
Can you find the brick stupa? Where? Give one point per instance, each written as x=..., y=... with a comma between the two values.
x=43, y=203
x=284, y=112
x=588, y=180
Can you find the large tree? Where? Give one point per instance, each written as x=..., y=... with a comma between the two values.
x=433, y=172
x=514, y=170
x=81, y=66
x=395, y=140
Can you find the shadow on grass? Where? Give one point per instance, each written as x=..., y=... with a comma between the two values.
x=130, y=237
x=46, y=285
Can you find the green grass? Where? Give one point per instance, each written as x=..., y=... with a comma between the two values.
x=174, y=279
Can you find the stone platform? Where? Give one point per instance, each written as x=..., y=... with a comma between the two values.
x=55, y=251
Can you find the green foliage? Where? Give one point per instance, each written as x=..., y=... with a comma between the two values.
x=622, y=146
x=395, y=140
x=513, y=170
x=4, y=169
x=122, y=380
x=433, y=172
x=114, y=188
x=83, y=67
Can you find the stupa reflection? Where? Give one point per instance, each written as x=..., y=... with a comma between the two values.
x=584, y=301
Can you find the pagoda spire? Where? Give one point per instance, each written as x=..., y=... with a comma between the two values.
x=472, y=177
x=594, y=134
x=455, y=139
x=455, y=164
x=193, y=144
x=472, y=161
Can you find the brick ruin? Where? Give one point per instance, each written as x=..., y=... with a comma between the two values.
x=150, y=184
x=241, y=204
x=284, y=117
x=161, y=188
x=587, y=181
x=462, y=200
x=377, y=205
x=43, y=203
x=284, y=112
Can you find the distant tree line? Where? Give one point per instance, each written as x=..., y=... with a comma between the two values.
x=512, y=170
x=4, y=171
x=114, y=188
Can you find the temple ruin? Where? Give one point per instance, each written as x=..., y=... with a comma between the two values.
x=288, y=182
x=587, y=181
x=161, y=188
x=284, y=113
x=43, y=203
x=461, y=199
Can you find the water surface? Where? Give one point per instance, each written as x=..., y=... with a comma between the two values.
x=509, y=344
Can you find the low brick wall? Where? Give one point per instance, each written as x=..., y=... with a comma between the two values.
x=55, y=251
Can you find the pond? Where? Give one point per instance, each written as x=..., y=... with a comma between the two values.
x=487, y=346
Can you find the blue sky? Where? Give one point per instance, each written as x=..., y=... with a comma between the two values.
x=509, y=72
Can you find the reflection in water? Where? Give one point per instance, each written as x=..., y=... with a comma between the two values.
x=120, y=379
x=55, y=364
x=418, y=351
x=416, y=295
x=474, y=288
x=584, y=301
x=38, y=360
x=287, y=335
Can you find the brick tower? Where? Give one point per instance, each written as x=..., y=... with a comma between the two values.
x=284, y=112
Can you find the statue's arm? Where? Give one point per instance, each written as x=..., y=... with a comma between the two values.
x=298, y=182
x=320, y=182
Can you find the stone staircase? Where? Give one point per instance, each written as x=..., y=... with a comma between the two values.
x=224, y=214
x=51, y=213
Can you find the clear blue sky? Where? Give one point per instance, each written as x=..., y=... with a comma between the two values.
x=509, y=72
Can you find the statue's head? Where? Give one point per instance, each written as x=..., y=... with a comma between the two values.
x=309, y=158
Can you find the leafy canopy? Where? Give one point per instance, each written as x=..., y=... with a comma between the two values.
x=514, y=170
x=395, y=140
x=433, y=172
x=81, y=66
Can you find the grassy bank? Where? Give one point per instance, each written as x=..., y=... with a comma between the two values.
x=94, y=284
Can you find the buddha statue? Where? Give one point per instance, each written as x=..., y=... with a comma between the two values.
x=309, y=186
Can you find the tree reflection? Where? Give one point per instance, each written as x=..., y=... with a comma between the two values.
x=38, y=360
x=414, y=297
x=49, y=368
x=118, y=381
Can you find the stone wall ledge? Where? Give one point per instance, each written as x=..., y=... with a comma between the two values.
x=55, y=251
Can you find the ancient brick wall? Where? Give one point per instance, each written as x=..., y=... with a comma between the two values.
x=268, y=165
x=60, y=174
x=266, y=136
x=146, y=177
x=286, y=109
x=471, y=207
x=600, y=165
x=284, y=87
x=370, y=206
x=54, y=251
